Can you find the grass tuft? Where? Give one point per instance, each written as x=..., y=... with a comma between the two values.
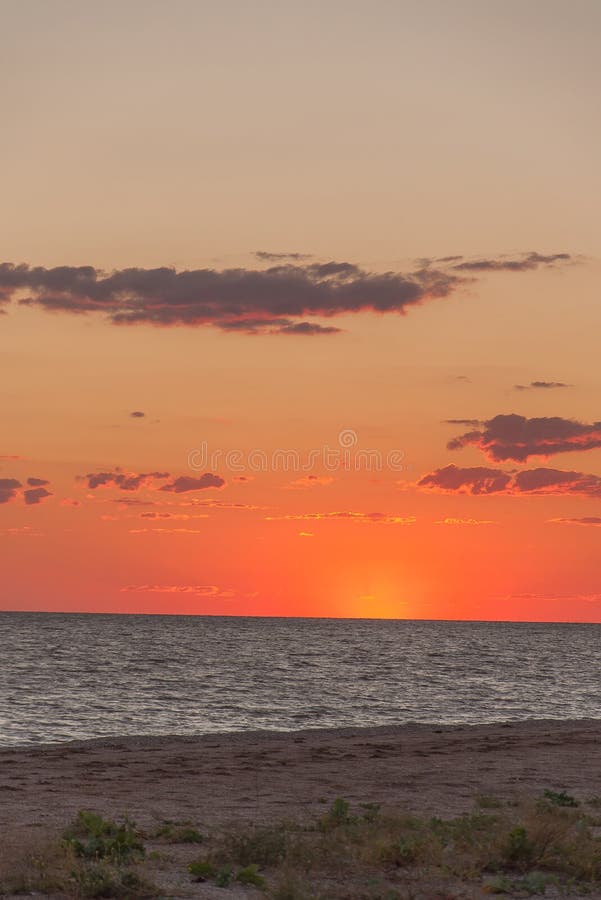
x=93, y=837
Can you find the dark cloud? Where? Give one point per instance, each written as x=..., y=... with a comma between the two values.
x=266, y=256
x=595, y=521
x=545, y=385
x=310, y=481
x=276, y=326
x=556, y=481
x=186, y=483
x=513, y=437
x=272, y=299
x=474, y=480
x=470, y=423
x=308, y=328
x=521, y=263
x=133, y=481
x=137, y=414
x=124, y=481
x=33, y=496
x=8, y=489
x=481, y=480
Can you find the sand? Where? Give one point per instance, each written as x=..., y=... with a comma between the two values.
x=263, y=775
x=268, y=776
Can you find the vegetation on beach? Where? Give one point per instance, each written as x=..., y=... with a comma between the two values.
x=92, y=837
x=174, y=833
x=523, y=848
x=519, y=849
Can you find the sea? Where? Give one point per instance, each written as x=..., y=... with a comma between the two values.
x=69, y=676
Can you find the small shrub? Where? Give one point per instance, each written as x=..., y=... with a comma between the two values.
x=519, y=849
x=401, y=852
x=223, y=878
x=190, y=836
x=93, y=837
x=250, y=875
x=39, y=866
x=534, y=883
x=500, y=885
x=263, y=846
x=371, y=811
x=102, y=880
x=202, y=870
x=172, y=834
x=337, y=815
x=560, y=799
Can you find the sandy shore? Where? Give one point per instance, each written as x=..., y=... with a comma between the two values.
x=264, y=776
x=215, y=780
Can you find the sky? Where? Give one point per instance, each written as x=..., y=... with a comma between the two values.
x=300, y=308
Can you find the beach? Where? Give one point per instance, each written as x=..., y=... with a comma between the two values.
x=217, y=780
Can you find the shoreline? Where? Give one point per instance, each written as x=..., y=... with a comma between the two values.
x=268, y=775
x=321, y=731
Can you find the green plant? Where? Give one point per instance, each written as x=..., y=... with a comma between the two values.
x=224, y=876
x=371, y=811
x=264, y=846
x=103, y=880
x=250, y=875
x=336, y=816
x=560, y=799
x=401, y=852
x=93, y=837
x=202, y=870
x=499, y=885
x=173, y=834
x=519, y=847
x=534, y=883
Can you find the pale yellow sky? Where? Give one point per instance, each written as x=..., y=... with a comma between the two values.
x=144, y=133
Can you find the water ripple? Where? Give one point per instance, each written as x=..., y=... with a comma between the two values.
x=68, y=676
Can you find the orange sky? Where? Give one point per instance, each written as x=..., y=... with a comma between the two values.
x=459, y=190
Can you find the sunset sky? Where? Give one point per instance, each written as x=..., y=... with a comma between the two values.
x=301, y=308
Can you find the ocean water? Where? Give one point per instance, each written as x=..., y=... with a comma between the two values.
x=70, y=676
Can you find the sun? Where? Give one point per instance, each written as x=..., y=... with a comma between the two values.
x=378, y=606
